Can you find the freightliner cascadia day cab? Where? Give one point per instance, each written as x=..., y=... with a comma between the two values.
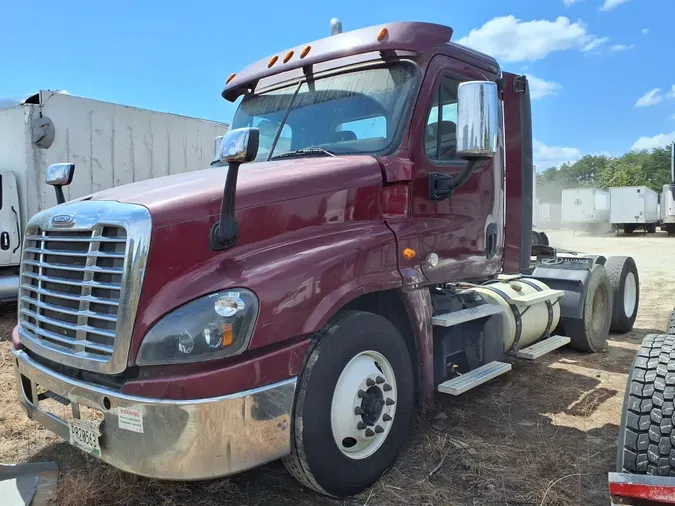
x=361, y=242
x=111, y=144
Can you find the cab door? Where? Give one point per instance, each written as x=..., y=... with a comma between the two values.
x=10, y=220
x=464, y=229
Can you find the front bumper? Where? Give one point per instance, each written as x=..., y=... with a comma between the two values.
x=181, y=440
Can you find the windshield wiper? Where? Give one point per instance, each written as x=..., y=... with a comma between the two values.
x=303, y=152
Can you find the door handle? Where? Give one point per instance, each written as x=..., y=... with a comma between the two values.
x=440, y=186
x=4, y=241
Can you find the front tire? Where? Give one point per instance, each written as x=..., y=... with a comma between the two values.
x=353, y=405
x=623, y=275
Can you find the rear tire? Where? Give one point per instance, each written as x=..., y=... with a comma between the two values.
x=651, y=228
x=331, y=448
x=544, y=239
x=628, y=229
x=646, y=434
x=623, y=275
x=590, y=332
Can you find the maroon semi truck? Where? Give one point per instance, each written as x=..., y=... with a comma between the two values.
x=361, y=242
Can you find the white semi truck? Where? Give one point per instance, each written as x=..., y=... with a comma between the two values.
x=111, y=144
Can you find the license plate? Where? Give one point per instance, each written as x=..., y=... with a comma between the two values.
x=84, y=435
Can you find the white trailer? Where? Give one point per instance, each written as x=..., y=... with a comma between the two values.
x=110, y=144
x=586, y=208
x=667, y=214
x=550, y=215
x=633, y=207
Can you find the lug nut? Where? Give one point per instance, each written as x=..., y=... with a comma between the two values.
x=361, y=394
x=361, y=425
x=390, y=402
x=386, y=417
x=379, y=380
x=379, y=429
x=369, y=433
x=369, y=382
x=358, y=410
x=386, y=387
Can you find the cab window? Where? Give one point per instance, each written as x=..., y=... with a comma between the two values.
x=440, y=133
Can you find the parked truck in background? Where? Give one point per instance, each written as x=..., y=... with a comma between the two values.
x=632, y=208
x=585, y=209
x=298, y=303
x=111, y=144
x=667, y=199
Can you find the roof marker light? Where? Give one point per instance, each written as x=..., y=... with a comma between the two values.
x=288, y=56
x=232, y=76
x=383, y=33
x=272, y=61
x=305, y=51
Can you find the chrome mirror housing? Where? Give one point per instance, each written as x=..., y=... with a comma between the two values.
x=239, y=145
x=60, y=174
x=477, y=120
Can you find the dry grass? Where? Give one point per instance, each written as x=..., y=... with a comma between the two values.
x=544, y=434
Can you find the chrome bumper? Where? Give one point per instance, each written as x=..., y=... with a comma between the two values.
x=181, y=439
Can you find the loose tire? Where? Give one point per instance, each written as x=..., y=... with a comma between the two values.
x=353, y=405
x=589, y=333
x=623, y=275
x=544, y=239
x=536, y=238
x=646, y=437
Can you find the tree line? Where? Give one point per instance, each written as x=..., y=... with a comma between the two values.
x=635, y=168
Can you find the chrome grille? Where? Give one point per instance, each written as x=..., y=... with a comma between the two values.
x=70, y=288
x=80, y=283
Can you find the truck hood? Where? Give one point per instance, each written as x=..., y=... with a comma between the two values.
x=192, y=195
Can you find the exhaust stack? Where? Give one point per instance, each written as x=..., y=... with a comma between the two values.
x=335, y=26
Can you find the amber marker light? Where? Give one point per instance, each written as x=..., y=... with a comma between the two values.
x=232, y=76
x=305, y=51
x=409, y=253
x=273, y=60
x=383, y=33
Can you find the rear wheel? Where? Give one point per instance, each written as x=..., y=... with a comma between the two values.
x=589, y=333
x=623, y=275
x=651, y=228
x=646, y=437
x=628, y=229
x=353, y=405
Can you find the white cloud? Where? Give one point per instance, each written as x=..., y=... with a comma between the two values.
x=552, y=156
x=570, y=2
x=658, y=141
x=621, y=47
x=595, y=43
x=512, y=40
x=671, y=93
x=645, y=31
x=539, y=88
x=612, y=4
x=652, y=97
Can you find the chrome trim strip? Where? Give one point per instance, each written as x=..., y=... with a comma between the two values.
x=89, y=216
x=102, y=270
x=66, y=325
x=67, y=310
x=70, y=282
x=182, y=439
x=65, y=340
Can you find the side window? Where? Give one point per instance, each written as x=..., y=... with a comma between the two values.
x=440, y=134
x=365, y=128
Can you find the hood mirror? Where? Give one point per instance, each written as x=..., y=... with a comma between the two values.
x=60, y=175
x=236, y=147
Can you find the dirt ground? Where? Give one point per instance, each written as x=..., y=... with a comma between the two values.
x=543, y=434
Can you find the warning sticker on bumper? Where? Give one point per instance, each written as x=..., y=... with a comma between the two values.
x=130, y=419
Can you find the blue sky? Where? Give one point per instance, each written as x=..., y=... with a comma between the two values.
x=590, y=61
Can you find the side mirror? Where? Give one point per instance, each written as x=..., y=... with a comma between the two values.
x=477, y=120
x=239, y=145
x=60, y=175
x=236, y=147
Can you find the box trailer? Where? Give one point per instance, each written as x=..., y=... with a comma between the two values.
x=667, y=207
x=110, y=144
x=586, y=208
x=633, y=207
x=550, y=215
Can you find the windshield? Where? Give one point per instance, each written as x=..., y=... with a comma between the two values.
x=352, y=113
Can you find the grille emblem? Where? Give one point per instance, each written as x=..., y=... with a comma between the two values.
x=62, y=220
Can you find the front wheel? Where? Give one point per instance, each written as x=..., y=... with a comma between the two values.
x=353, y=405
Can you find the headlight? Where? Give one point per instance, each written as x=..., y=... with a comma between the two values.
x=215, y=326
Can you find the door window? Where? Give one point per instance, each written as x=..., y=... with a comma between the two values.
x=440, y=134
